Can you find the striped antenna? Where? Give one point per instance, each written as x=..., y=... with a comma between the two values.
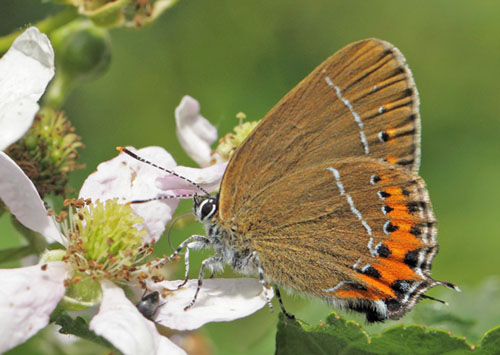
x=135, y=156
x=163, y=197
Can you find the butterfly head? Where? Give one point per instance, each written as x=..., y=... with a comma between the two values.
x=205, y=207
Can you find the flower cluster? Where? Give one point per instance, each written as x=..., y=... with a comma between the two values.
x=101, y=247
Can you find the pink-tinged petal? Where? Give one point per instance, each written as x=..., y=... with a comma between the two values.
x=25, y=71
x=27, y=298
x=128, y=179
x=219, y=300
x=209, y=178
x=195, y=133
x=21, y=197
x=125, y=327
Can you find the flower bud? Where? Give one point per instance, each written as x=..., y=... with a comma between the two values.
x=126, y=13
x=48, y=152
x=83, y=51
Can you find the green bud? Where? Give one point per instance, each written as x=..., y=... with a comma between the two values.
x=104, y=13
x=83, y=50
x=83, y=53
x=124, y=13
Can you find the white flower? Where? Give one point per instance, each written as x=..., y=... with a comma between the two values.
x=25, y=71
x=194, y=132
x=219, y=300
x=128, y=179
x=120, y=322
x=29, y=295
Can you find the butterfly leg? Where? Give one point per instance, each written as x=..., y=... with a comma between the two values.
x=193, y=242
x=213, y=262
x=263, y=282
x=278, y=296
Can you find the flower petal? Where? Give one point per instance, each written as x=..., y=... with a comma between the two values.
x=209, y=178
x=124, y=326
x=219, y=300
x=24, y=202
x=27, y=298
x=195, y=133
x=25, y=71
x=128, y=179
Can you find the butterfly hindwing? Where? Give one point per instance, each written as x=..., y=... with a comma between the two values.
x=359, y=232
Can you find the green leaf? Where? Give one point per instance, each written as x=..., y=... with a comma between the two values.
x=15, y=253
x=336, y=336
x=78, y=326
x=415, y=339
x=339, y=336
x=490, y=344
x=470, y=313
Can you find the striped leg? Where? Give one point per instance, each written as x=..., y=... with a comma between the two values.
x=193, y=242
x=263, y=282
x=210, y=262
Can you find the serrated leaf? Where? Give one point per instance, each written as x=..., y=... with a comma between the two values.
x=416, y=339
x=490, y=344
x=335, y=336
x=339, y=336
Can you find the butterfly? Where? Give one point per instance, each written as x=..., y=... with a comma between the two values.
x=324, y=197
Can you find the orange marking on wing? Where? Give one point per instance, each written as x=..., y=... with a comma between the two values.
x=395, y=192
x=392, y=270
x=399, y=248
x=404, y=226
x=400, y=211
x=379, y=286
x=357, y=294
x=391, y=159
x=401, y=241
x=385, y=178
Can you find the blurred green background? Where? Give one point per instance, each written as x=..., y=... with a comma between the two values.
x=245, y=55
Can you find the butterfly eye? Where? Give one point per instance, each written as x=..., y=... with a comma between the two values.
x=207, y=209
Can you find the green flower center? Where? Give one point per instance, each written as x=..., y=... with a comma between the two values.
x=106, y=241
x=108, y=232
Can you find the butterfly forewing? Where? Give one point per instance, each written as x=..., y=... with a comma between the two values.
x=360, y=231
x=361, y=101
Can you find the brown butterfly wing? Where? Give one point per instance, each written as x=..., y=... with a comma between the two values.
x=361, y=101
x=357, y=230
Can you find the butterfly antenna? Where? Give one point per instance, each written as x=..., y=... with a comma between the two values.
x=172, y=226
x=163, y=197
x=434, y=299
x=135, y=156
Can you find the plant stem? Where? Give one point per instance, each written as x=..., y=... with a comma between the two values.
x=46, y=26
